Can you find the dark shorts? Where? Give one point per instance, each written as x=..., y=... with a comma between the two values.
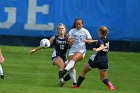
x=101, y=63
x=63, y=58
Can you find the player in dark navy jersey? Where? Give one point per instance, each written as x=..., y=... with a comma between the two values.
x=98, y=60
x=60, y=47
x=59, y=54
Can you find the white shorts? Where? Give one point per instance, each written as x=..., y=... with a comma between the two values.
x=72, y=52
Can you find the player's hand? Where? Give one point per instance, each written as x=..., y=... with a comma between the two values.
x=31, y=51
x=94, y=49
x=86, y=41
x=70, y=41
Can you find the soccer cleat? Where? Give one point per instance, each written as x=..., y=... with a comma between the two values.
x=61, y=82
x=110, y=86
x=2, y=76
x=75, y=86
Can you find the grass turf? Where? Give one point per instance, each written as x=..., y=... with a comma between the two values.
x=35, y=73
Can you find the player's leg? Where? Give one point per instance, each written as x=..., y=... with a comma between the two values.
x=1, y=70
x=82, y=75
x=72, y=73
x=78, y=56
x=103, y=76
x=60, y=64
x=1, y=59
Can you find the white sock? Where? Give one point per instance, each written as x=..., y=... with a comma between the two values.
x=73, y=75
x=1, y=71
x=70, y=65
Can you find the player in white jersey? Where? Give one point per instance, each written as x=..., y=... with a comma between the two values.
x=77, y=37
x=1, y=61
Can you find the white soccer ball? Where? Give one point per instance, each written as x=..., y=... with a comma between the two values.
x=45, y=43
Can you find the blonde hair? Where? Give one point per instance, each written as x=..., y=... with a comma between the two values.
x=104, y=31
x=60, y=24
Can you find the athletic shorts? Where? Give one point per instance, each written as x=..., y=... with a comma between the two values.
x=72, y=52
x=98, y=62
x=63, y=58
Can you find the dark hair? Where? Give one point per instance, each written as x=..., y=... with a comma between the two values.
x=75, y=22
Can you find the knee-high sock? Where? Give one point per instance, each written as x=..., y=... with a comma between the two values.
x=70, y=65
x=60, y=73
x=73, y=75
x=1, y=71
x=67, y=77
x=80, y=80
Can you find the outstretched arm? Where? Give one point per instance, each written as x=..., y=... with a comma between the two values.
x=90, y=41
x=40, y=47
x=99, y=49
x=35, y=49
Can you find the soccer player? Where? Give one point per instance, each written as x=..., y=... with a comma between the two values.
x=98, y=60
x=1, y=61
x=77, y=37
x=60, y=48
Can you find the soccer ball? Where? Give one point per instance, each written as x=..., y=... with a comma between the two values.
x=45, y=43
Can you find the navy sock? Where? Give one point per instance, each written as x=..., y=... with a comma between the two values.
x=60, y=74
x=80, y=80
x=67, y=77
x=106, y=81
x=64, y=72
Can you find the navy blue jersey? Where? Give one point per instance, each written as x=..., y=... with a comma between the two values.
x=100, y=59
x=105, y=42
x=60, y=46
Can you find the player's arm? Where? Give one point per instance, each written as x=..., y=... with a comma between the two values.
x=102, y=47
x=69, y=40
x=52, y=39
x=41, y=47
x=90, y=41
x=35, y=49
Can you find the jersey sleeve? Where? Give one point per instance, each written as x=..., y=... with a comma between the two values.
x=70, y=33
x=100, y=41
x=88, y=34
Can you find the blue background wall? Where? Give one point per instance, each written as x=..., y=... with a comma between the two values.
x=122, y=17
x=29, y=20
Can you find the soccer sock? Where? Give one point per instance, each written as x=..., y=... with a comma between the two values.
x=73, y=75
x=67, y=77
x=1, y=71
x=60, y=74
x=80, y=80
x=64, y=72
x=70, y=65
x=109, y=84
x=105, y=81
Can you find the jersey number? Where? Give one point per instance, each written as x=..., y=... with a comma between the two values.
x=106, y=47
x=62, y=47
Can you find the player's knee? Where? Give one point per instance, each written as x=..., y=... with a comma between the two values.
x=83, y=74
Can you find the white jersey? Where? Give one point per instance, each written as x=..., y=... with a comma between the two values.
x=77, y=37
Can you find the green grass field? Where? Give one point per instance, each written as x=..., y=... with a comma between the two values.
x=35, y=73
